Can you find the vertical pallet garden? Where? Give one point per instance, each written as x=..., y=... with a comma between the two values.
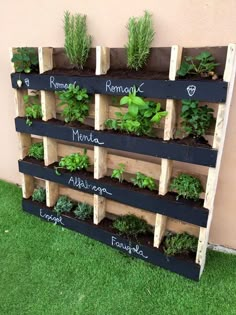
x=161, y=158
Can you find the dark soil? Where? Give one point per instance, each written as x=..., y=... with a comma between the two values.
x=193, y=141
x=133, y=74
x=74, y=124
x=33, y=160
x=86, y=72
x=190, y=140
x=196, y=77
x=154, y=193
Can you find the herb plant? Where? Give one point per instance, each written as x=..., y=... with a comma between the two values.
x=33, y=108
x=203, y=64
x=196, y=120
x=143, y=181
x=76, y=101
x=140, y=37
x=118, y=172
x=36, y=151
x=25, y=60
x=131, y=225
x=180, y=244
x=140, y=118
x=64, y=204
x=83, y=211
x=39, y=195
x=73, y=162
x=77, y=41
x=187, y=186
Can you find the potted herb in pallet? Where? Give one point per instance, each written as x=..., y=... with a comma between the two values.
x=129, y=234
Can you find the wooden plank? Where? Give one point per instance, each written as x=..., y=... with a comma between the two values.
x=218, y=142
x=169, y=129
x=52, y=193
x=100, y=154
x=25, y=142
x=50, y=151
x=45, y=59
x=27, y=185
x=64, y=150
x=102, y=60
x=133, y=165
x=75, y=195
x=100, y=162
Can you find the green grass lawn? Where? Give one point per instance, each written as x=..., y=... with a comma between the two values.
x=47, y=270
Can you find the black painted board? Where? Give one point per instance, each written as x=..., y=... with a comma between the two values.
x=212, y=91
x=157, y=204
x=151, y=147
x=185, y=268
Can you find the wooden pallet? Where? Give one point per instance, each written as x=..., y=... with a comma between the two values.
x=104, y=159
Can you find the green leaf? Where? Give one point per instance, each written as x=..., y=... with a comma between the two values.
x=133, y=110
x=124, y=100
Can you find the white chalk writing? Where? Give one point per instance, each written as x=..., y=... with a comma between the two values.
x=80, y=137
x=127, y=247
x=50, y=217
x=80, y=183
x=59, y=85
x=122, y=89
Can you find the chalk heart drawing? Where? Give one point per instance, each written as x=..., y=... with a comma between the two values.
x=191, y=89
x=27, y=82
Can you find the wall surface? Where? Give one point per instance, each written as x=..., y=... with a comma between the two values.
x=187, y=23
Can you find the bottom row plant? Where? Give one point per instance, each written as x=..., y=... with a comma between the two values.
x=128, y=226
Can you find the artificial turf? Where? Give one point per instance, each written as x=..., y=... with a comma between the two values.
x=48, y=270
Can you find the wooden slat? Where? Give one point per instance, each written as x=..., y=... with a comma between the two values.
x=27, y=185
x=100, y=155
x=25, y=142
x=102, y=60
x=218, y=143
x=76, y=195
x=169, y=128
x=52, y=193
x=50, y=150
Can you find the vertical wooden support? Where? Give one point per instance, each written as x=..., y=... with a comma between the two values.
x=169, y=128
x=218, y=143
x=24, y=139
x=49, y=111
x=100, y=155
x=102, y=60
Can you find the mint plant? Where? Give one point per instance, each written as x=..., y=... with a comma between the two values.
x=36, y=151
x=33, y=108
x=140, y=118
x=196, y=120
x=118, y=172
x=73, y=162
x=180, y=244
x=187, y=186
x=77, y=41
x=143, y=181
x=39, y=195
x=203, y=64
x=140, y=37
x=130, y=225
x=77, y=103
x=64, y=204
x=25, y=60
x=83, y=211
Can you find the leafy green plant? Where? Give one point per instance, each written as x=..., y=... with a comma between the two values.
x=76, y=101
x=140, y=37
x=179, y=244
x=73, y=162
x=118, y=172
x=83, y=211
x=39, y=195
x=77, y=41
x=64, y=204
x=140, y=118
x=131, y=225
x=196, y=120
x=143, y=181
x=203, y=64
x=25, y=60
x=33, y=108
x=187, y=186
x=36, y=151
